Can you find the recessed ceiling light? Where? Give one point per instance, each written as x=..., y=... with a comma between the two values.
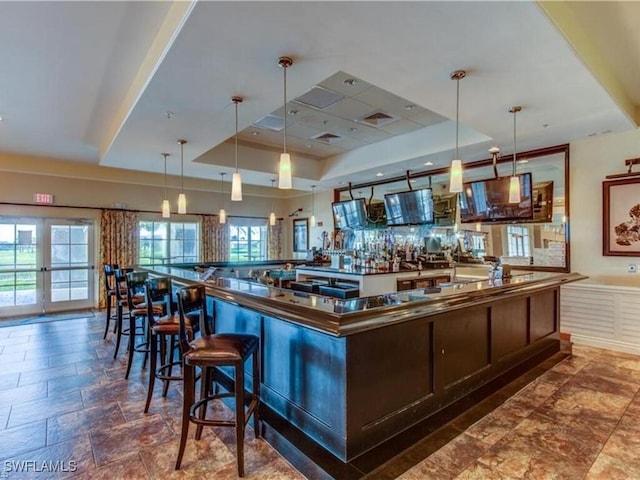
x=255, y=134
x=292, y=112
x=379, y=174
x=350, y=81
x=545, y=125
x=409, y=107
x=353, y=129
x=168, y=114
x=428, y=164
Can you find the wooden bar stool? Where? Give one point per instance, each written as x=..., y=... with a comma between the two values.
x=207, y=352
x=164, y=329
x=136, y=290
x=120, y=277
x=110, y=294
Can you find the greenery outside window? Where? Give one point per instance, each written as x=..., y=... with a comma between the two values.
x=168, y=242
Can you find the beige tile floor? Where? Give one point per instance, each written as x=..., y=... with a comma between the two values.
x=63, y=398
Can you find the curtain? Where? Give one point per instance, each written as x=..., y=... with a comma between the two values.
x=274, y=241
x=118, y=242
x=215, y=240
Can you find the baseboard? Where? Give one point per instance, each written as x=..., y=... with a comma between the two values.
x=608, y=344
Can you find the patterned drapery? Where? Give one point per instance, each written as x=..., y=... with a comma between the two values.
x=118, y=242
x=274, y=241
x=215, y=240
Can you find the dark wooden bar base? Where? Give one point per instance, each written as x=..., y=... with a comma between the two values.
x=392, y=458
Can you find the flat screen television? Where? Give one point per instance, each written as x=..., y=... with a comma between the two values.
x=413, y=207
x=488, y=201
x=350, y=213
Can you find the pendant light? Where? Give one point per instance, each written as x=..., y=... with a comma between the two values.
x=222, y=215
x=272, y=215
x=166, y=208
x=514, y=183
x=313, y=205
x=284, y=170
x=182, y=199
x=236, y=183
x=455, y=181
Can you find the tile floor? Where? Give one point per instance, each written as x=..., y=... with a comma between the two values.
x=64, y=399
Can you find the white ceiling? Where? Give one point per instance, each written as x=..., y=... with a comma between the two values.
x=93, y=81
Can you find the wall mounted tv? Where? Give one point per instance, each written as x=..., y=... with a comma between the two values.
x=413, y=207
x=350, y=213
x=488, y=201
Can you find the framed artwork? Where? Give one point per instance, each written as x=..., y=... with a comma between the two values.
x=621, y=217
x=301, y=235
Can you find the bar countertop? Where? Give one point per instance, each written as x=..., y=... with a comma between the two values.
x=339, y=317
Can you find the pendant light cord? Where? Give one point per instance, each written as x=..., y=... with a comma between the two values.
x=181, y=166
x=514, y=110
x=236, y=104
x=165, y=155
x=514, y=143
x=284, y=109
x=457, y=112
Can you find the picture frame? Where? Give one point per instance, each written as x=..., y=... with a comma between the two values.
x=621, y=217
x=301, y=235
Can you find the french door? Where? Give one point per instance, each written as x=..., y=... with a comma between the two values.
x=46, y=265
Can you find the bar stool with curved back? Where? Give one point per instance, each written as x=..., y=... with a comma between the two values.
x=163, y=329
x=120, y=277
x=136, y=290
x=207, y=352
x=110, y=294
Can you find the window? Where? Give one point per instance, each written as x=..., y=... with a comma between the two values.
x=169, y=242
x=518, y=238
x=248, y=241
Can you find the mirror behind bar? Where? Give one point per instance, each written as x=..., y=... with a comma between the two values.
x=541, y=245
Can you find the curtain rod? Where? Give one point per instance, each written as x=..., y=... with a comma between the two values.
x=17, y=204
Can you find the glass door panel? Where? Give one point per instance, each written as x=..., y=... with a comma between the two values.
x=69, y=265
x=20, y=260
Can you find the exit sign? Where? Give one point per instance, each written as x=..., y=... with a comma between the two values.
x=45, y=198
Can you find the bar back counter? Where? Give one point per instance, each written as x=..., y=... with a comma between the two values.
x=354, y=373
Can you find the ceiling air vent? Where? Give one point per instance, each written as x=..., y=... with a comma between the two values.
x=270, y=122
x=319, y=97
x=378, y=119
x=328, y=138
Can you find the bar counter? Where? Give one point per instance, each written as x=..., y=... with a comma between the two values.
x=352, y=374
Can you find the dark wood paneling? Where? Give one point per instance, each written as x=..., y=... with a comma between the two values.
x=395, y=362
x=461, y=345
x=544, y=314
x=308, y=369
x=509, y=327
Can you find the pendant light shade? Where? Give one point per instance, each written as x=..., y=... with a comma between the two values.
x=236, y=183
x=182, y=199
x=455, y=181
x=222, y=215
x=284, y=170
x=166, y=207
x=514, y=182
x=272, y=215
x=313, y=205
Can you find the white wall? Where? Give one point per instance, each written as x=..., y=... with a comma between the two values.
x=591, y=161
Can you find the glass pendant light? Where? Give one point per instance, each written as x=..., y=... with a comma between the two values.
x=313, y=205
x=166, y=208
x=284, y=170
x=455, y=181
x=272, y=215
x=514, y=182
x=182, y=199
x=222, y=215
x=236, y=183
